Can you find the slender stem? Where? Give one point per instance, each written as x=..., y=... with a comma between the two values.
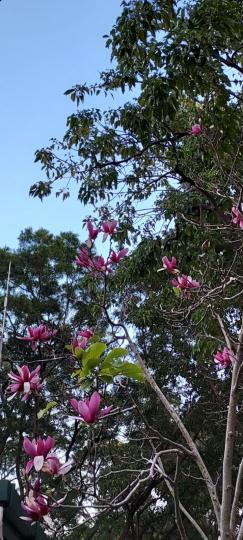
x=187, y=437
x=227, y=485
x=178, y=517
x=236, y=496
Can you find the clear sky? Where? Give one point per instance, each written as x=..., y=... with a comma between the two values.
x=46, y=47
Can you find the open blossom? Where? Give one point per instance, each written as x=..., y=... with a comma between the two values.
x=35, y=507
x=108, y=228
x=89, y=409
x=95, y=264
x=237, y=216
x=196, y=129
x=116, y=257
x=185, y=282
x=169, y=265
x=26, y=382
x=223, y=358
x=43, y=460
x=38, y=333
x=83, y=259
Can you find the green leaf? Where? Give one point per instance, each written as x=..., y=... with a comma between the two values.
x=48, y=407
x=94, y=351
x=131, y=371
x=113, y=355
x=127, y=369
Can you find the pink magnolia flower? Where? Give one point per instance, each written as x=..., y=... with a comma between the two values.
x=108, y=228
x=83, y=259
x=99, y=264
x=116, y=257
x=86, y=332
x=89, y=409
x=35, y=508
x=185, y=282
x=26, y=383
x=196, y=129
x=237, y=216
x=81, y=339
x=38, y=333
x=169, y=265
x=95, y=264
x=223, y=358
x=39, y=451
x=43, y=460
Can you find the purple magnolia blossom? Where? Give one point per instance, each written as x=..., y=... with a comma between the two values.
x=26, y=382
x=94, y=265
x=196, y=129
x=224, y=358
x=83, y=259
x=35, y=507
x=170, y=265
x=108, y=228
x=89, y=409
x=43, y=460
x=38, y=333
x=116, y=257
x=237, y=216
x=185, y=282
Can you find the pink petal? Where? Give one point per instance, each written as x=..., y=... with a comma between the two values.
x=38, y=463
x=49, y=444
x=94, y=403
x=84, y=411
x=29, y=466
x=74, y=404
x=29, y=447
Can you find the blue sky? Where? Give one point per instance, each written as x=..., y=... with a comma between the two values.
x=46, y=47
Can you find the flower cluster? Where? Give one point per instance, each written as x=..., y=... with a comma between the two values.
x=182, y=282
x=97, y=264
x=43, y=460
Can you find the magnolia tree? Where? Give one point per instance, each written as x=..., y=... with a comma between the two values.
x=134, y=430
